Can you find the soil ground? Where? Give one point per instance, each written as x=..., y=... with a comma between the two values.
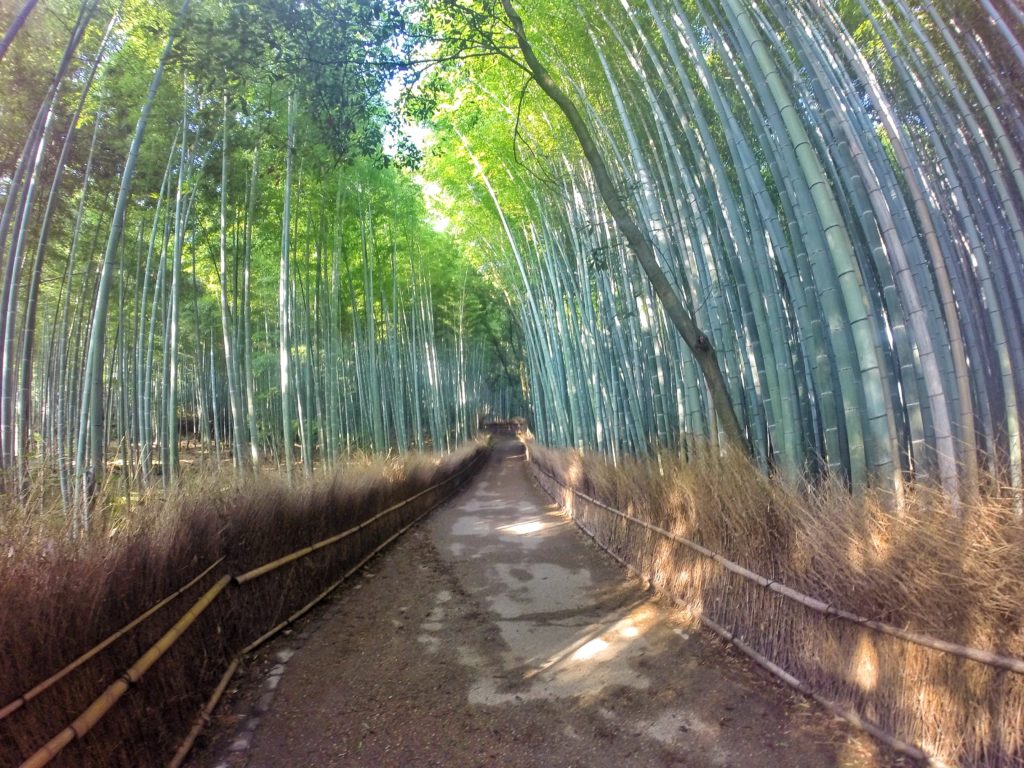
x=497, y=634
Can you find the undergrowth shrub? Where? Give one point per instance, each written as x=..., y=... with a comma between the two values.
x=60, y=597
x=952, y=571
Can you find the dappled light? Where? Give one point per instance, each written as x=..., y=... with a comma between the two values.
x=932, y=568
x=605, y=644
x=590, y=650
x=532, y=526
x=613, y=639
x=864, y=665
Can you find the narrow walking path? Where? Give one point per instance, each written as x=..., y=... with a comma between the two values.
x=496, y=634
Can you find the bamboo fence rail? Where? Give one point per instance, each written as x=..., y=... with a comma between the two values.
x=846, y=713
x=762, y=661
x=106, y=701
x=56, y=677
x=312, y=603
x=300, y=553
x=95, y=711
x=979, y=655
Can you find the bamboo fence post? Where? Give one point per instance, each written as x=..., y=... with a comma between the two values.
x=204, y=716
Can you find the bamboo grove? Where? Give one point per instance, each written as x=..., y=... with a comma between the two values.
x=650, y=223
x=834, y=191
x=207, y=239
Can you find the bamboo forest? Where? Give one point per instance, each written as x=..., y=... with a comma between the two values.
x=268, y=237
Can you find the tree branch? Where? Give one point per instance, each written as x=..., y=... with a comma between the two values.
x=698, y=342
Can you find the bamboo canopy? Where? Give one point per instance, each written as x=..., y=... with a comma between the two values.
x=833, y=192
x=792, y=225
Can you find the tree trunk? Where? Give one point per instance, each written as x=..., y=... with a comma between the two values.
x=698, y=343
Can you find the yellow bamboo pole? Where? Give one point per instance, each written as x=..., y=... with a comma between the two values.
x=204, y=716
x=312, y=604
x=56, y=677
x=917, y=638
x=95, y=711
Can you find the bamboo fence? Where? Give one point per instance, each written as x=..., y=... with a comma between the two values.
x=56, y=677
x=95, y=712
x=565, y=493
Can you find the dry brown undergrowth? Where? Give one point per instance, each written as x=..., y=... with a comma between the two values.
x=59, y=597
x=957, y=574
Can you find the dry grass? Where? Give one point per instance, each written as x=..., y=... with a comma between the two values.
x=955, y=574
x=58, y=598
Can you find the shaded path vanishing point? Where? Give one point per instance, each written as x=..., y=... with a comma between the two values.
x=496, y=634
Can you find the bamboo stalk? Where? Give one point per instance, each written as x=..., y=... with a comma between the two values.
x=32, y=693
x=103, y=704
x=927, y=641
x=16, y=25
x=682, y=320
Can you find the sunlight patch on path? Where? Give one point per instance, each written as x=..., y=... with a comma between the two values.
x=562, y=630
x=600, y=656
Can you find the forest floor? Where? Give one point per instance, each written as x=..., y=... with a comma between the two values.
x=497, y=634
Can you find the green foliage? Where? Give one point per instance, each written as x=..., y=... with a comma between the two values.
x=816, y=179
x=396, y=338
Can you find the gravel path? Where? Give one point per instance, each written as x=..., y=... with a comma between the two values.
x=496, y=634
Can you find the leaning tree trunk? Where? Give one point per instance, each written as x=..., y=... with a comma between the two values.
x=680, y=317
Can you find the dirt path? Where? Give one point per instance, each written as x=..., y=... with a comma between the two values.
x=496, y=634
